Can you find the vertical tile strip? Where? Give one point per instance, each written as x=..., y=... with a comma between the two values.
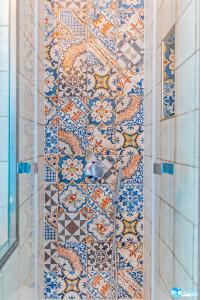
x=94, y=106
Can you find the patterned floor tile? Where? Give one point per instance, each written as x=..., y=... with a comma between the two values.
x=73, y=71
x=132, y=169
x=130, y=199
x=129, y=141
x=51, y=257
x=72, y=271
x=130, y=45
x=102, y=111
x=100, y=229
x=130, y=284
x=72, y=227
x=99, y=257
x=50, y=285
x=71, y=169
x=129, y=228
x=72, y=198
x=99, y=286
x=72, y=126
x=101, y=140
x=51, y=211
x=51, y=81
x=100, y=199
x=51, y=168
x=51, y=114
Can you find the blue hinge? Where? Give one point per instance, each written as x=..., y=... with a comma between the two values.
x=164, y=168
x=168, y=168
x=27, y=168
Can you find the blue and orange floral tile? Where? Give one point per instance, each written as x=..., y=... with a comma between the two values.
x=71, y=169
x=94, y=91
x=72, y=265
x=72, y=198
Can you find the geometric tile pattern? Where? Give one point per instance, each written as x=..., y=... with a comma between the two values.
x=72, y=227
x=94, y=88
x=51, y=257
x=168, y=75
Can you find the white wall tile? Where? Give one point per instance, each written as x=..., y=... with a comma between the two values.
x=184, y=242
x=186, y=192
x=186, y=86
x=185, y=35
x=185, y=139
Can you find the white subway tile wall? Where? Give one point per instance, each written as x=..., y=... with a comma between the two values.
x=176, y=141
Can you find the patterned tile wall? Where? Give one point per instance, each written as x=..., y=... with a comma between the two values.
x=94, y=106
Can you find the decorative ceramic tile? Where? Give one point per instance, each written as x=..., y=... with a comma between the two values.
x=168, y=75
x=51, y=140
x=72, y=198
x=94, y=87
x=74, y=24
x=50, y=285
x=72, y=126
x=100, y=228
x=51, y=197
x=51, y=82
x=129, y=140
x=100, y=198
x=101, y=111
x=127, y=4
x=99, y=257
x=72, y=227
x=130, y=198
x=99, y=286
x=72, y=270
x=51, y=257
x=50, y=232
x=101, y=82
x=51, y=211
x=129, y=227
x=71, y=170
x=130, y=45
x=51, y=168
x=132, y=169
x=51, y=114
x=101, y=140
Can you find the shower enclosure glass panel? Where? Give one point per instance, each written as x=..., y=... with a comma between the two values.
x=7, y=130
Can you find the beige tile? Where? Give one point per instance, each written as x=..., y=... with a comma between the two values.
x=26, y=139
x=181, y=277
x=185, y=139
x=186, y=192
x=167, y=139
x=4, y=9
x=186, y=86
x=185, y=31
x=184, y=242
x=167, y=224
x=181, y=6
x=168, y=16
x=166, y=265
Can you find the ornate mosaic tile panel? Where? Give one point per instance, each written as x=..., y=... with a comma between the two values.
x=168, y=75
x=94, y=86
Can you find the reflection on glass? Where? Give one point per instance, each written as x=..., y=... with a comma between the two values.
x=7, y=129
